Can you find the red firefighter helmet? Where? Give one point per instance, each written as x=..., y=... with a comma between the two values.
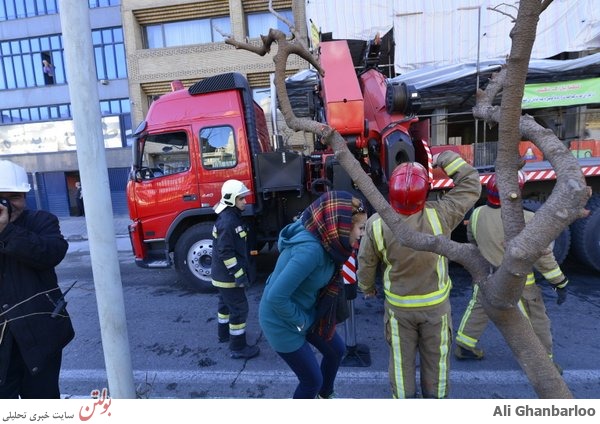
x=493, y=196
x=409, y=185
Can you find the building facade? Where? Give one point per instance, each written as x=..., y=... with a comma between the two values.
x=140, y=47
x=183, y=41
x=36, y=127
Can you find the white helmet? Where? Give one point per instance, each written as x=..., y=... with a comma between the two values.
x=229, y=192
x=13, y=178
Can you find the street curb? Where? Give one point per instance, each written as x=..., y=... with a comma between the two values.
x=465, y=384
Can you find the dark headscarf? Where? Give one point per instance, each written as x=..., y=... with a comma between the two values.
x=329, y=219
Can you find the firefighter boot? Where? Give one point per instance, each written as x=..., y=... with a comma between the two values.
x=240, y=349
x=462, y=352
x=223, y=332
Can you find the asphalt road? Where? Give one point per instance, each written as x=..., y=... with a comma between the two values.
x=175, y=353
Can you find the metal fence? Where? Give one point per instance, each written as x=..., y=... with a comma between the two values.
x=485, y=153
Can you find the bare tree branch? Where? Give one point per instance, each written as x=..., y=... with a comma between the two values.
x=498, y=9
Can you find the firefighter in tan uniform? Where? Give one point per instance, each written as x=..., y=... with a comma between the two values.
x=485, y=229
x=416, y=284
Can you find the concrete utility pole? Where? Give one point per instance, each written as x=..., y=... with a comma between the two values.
x=85, y=104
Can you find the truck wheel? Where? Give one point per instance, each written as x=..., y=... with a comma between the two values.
x=586, y=235
x=562, y=242
x=193, y=257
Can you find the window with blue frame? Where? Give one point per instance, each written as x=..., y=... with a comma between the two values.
x=121, y=107
x=37, y=113
x=62, y=111
x=115, y=106
x=22, y=62
x=39, y=61
x=109, y=50
x=103, y=3
x=19, y=9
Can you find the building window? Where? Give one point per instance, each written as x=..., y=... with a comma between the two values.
x=109, y=50
x=36, y=113
x=120, y=107
x=115, y=107
x=185, y=33
x=19, y=9
x=63, y=111
x=103, y=3
x=35, y=62
x=260, y=23
x=22, y=62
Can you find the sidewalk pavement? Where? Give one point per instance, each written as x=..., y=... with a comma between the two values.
x=74, y=228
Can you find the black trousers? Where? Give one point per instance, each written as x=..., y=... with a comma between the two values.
x=233, y=302
x=80, y=207
x=20, y=383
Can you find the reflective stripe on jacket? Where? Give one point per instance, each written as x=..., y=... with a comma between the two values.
x=486, y=230
x=411, y=278
x=230, y=250
x=414, y=301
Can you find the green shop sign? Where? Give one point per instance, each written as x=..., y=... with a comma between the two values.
x=565, y=93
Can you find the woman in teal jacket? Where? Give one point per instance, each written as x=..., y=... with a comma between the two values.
x=311, y=251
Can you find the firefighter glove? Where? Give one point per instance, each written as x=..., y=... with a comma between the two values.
x=562, y=295
x=561, y=291
x=242, y=281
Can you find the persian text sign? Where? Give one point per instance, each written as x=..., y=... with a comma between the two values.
x=52, y=136
x=565, y=93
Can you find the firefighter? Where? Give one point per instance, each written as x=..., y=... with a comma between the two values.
x=485, y=229
x=416, y=284
x=230, y=267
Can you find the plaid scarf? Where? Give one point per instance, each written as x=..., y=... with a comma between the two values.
x=330, y=308
x=329, y=219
